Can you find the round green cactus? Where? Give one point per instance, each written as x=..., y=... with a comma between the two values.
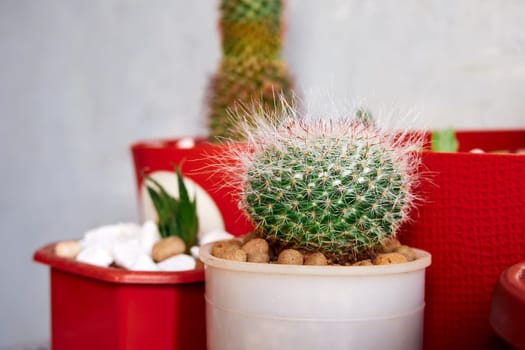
x=338, y=187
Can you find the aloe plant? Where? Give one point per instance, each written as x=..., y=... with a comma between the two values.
x=176, y=216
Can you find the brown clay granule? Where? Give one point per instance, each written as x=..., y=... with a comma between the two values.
x=389, y=258
x=290, y=257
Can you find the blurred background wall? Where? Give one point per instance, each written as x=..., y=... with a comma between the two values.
x=81, y=80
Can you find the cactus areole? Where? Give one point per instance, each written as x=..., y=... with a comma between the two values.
x=337, y=187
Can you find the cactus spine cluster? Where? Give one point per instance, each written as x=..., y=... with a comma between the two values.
x=335, y=186
x=251, y=68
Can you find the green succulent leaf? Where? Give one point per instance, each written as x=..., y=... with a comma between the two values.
x=444, y=141
x=163, y=209
x=187, y=213
x=176, y=216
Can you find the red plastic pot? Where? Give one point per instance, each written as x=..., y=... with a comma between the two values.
x=507, y=316
x=472, y=222
x=199, y=164
x=113, y=309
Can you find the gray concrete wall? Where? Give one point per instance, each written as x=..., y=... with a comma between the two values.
x=81, y=80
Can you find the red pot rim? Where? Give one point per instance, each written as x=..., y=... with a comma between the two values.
x=489, y=140
x=46, y=255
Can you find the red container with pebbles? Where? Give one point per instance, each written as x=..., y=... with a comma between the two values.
x=109, y=308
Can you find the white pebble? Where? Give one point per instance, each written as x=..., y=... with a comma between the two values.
x=144, y=263
x=186, y=142
x=125, y=252
x=95, y=256
x=213, y=236
x=149, y=236
x=128, y=245
x=101, y=237
x=105, y=236
x=181, y=262
x=195, y=251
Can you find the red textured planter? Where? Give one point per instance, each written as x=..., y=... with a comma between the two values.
x=471, y=222
x=113, y=309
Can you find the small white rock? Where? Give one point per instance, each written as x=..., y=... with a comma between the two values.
x=126, y=252
x=105, y=236
x=144, y=263
x=181, y=262
x=149, y=236
x=195, y=251
x=95, y=256
x=186, y=142
x=102, y=237
x=213, y=236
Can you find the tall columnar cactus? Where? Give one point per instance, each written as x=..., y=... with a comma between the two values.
x=251, y=68
x=335, y=186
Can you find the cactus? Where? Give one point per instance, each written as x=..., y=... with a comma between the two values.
x=251, y=68
x=335, y=186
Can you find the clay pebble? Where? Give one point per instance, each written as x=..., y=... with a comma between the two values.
x=167, y=248
x=290, y=257
x=389, y=258
x=317, y=259
x=407, y=252
x=389, y=245
x=221, y=248
x=67, y=249
x=256, y=250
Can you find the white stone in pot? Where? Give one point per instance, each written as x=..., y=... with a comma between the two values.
x=96, y=256
x=181, y=262
x=195, y=251
x=105, y=236
x=126, y=251
x=149, y=236
x=144, y=263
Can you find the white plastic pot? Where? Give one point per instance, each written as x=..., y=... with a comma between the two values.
x=270, y=306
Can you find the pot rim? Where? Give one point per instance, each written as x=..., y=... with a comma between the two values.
x=423, y=260
x=46, y=255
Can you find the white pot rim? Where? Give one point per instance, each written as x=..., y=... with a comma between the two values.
x=423, y=260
